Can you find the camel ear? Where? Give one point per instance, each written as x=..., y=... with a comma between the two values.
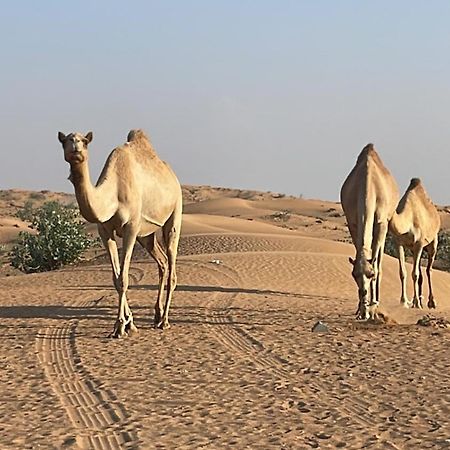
x=351, y=261
x=61, y=137
x=89, y=137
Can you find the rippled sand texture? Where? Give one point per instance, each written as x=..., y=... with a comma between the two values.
x=240, y=367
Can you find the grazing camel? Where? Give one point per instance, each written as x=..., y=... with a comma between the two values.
x=135, y=195
x=369, y=197
x=416, y=225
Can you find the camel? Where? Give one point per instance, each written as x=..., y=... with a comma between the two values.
x=135, y=195
x=415, y=225
x=369, y=197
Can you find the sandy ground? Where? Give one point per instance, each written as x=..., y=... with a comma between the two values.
x=240, y=367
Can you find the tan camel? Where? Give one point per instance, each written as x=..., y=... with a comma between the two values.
x=136, y=194
x=369, y=197
x=415, y=225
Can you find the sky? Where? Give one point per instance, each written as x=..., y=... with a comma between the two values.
x=269, y=95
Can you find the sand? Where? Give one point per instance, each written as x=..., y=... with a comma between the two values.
x=240, y=367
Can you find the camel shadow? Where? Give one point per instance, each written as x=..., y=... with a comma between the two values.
x=206, y=288
x=52, y=312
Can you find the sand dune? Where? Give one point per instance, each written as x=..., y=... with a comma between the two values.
x=10, y=228
x=240, y=367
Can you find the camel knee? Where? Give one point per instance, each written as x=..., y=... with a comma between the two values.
x=163, y=268
x=173, y=279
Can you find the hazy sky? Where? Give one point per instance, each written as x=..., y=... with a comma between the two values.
x=268, y=95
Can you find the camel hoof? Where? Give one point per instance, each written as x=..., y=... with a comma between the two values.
x=119, y=330
x=431, y=304
x=163, y=325
x=117, y=335
x=406, y=303
x=364, y=311
x=130, y=328
x=362, y=316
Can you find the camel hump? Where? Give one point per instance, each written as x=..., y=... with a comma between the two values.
x=414, y=183
x=368, y=150
x=136, y=135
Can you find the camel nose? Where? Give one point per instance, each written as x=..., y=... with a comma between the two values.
x=75, y=147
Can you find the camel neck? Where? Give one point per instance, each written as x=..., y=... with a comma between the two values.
x=85, y=192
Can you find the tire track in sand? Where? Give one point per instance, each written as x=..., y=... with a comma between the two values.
x=230, y=334
x=99, y=420
x=239, y=341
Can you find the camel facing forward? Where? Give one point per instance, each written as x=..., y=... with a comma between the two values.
x=416, y=225
x=136, y=194
x=369, y=197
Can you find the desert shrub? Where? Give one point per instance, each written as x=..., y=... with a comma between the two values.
x=442, y=255
x=26, y=213
x=6, y=195
x=443, y=251
x=61, y=238
x=37, y=195
x=281, y=216
x=390, y=247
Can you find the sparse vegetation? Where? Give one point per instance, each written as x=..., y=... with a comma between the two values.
x=390, y=247
x=26, y=213
x=281, y=216
x=6, y=195
x=37, y=195
x=443, y=251
x=61, y=238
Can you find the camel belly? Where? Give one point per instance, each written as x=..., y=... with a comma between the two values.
x=145, y=225
x=147, y=228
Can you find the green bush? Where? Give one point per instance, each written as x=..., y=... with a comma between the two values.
x=390, y=247
x=442, y=255
x=26, y=213
x=443, y=251
x=61, y=238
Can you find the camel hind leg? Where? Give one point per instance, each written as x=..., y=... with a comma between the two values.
x=151, y=244
x=417, y=277
x=171, y=234
x=402, y=272
x=431, y=250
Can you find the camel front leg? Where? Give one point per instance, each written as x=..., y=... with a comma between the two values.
x=377, y=253
x=124, y=323
x=110, y=245
x=431, y=250
x=402, y=272
x=417, y=277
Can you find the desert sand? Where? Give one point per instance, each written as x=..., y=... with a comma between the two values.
x=240, y=367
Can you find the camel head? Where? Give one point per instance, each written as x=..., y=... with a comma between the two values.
x=362, y=273
x=75, y=146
